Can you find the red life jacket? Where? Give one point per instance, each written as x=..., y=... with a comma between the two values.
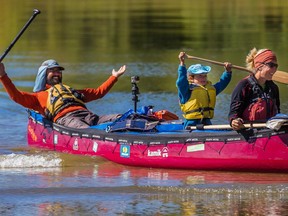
x=262, y=107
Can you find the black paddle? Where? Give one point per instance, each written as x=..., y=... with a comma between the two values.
x=35, y=13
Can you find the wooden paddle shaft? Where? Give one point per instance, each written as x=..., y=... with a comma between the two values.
x=227, y=126
x=217, y=63
x=279, y=76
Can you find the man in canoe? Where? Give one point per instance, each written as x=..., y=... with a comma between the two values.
x=256, y=97
x=197, y=95
x=58, y=102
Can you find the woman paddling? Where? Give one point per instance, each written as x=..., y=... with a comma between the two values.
x=256, y=97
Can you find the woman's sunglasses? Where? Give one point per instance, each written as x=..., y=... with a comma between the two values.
x=270, y=64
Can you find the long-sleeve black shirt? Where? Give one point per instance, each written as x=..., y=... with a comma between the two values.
x=243, y=96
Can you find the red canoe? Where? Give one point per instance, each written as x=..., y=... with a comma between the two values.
x=253, y=149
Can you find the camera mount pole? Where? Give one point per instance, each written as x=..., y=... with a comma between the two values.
x=135, y=92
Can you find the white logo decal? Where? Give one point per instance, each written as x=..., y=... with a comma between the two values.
x=95, y=146
x=158, y=153
x=75, y=144
x=55, y=139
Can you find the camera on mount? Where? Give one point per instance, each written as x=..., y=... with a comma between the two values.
x=135, y=79
x=135, y=90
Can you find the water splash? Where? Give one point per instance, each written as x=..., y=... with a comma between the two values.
x=28, y=161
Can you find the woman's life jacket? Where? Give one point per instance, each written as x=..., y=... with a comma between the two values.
x=201, y=103
x=262, y=105
x=60, y=97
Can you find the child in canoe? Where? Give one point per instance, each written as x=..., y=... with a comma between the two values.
x=197, y=95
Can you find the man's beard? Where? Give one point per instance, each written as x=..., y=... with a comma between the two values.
x=54, y=80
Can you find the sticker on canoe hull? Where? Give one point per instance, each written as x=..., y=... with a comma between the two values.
x=32, y=133
x=95, y=146
x=125, y=151
x=55, y=139
x=158, y=153
x=197, y=147
x=75, y=145
x=154, y=153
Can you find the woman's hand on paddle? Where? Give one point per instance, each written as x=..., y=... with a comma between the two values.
x=182, y=56
x=2, y=70
x=228, y=67
x=119, y=72
x=237, y=124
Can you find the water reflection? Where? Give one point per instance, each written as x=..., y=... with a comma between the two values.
x=106, y=188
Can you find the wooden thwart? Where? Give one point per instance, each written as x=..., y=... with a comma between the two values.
x=279, y=76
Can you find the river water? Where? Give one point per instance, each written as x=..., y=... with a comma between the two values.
x=90, y=38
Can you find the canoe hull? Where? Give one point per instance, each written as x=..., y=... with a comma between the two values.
x=261, y=151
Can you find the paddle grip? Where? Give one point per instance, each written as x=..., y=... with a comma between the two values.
x=35, y=13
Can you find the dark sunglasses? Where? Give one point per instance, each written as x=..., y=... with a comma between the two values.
x=270, y=64
x=54, y=70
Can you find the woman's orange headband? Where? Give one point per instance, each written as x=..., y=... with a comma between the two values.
x=264, y=57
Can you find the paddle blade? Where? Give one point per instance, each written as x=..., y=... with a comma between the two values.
x=280, y=76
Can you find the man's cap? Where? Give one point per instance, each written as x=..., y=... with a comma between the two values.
x=51, y=63
x=198, y=69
